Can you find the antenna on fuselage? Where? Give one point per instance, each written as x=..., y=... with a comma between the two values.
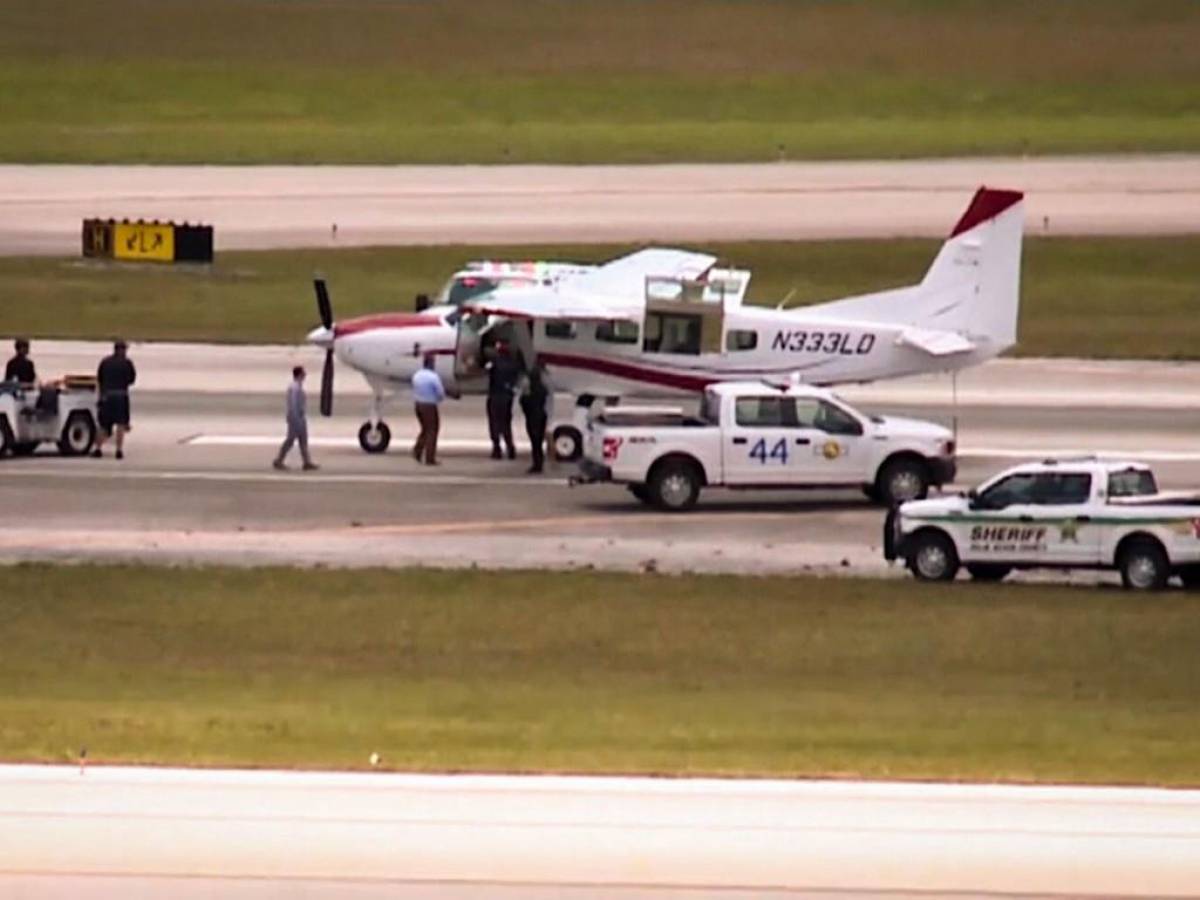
x=784, y=302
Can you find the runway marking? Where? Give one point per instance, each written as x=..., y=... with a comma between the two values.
x=293, y=477
x=483, y=445
x=263, y=440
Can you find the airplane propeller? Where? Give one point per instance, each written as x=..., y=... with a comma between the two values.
x=325, y=311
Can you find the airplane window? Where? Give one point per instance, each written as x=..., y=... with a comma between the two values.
x=736, y=340
x=561, y=329
x=469, y=286
x=676, y=333
x=617, y=332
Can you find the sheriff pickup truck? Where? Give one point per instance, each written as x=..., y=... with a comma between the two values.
x=754, y=435
x=1061, y=513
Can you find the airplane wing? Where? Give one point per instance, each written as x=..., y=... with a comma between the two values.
x=935, y=343
x=626, y=276
x=557, y=305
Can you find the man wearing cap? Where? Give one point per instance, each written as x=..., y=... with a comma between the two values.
x=20, y=368
x=113, y=380
x=297, y=423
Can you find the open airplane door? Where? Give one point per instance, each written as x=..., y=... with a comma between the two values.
x=478, y=333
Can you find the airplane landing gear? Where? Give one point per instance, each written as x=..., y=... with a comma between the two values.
x=567, y=442
x=374, y=437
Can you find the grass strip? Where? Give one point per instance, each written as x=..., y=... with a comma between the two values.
x=364, y=81
x=1127, y=297
x=599, y=673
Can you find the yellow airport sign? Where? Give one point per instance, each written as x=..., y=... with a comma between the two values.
x=144, y=240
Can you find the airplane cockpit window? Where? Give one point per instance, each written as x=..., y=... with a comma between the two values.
x=617, y=331
x=673, y=333
x=1132, y=483
x=469, y=287
x=737, y=340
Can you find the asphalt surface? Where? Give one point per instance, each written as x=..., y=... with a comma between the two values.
x=197, y=486
x=129, y=832
x=41, y=207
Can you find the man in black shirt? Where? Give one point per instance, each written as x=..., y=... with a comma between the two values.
x=20, y=367
x=114, y=378
x=503, y=372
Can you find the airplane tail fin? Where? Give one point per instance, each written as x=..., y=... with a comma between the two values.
x=974, y=284
x=968, y=300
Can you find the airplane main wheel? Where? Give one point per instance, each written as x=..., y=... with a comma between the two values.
x=567, y=442
x=374, y=438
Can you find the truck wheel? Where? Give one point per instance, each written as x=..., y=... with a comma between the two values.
x=901, y=480
x=1144, y=566
x=933, y=557
x=374, y=438
x=78, y=434
x=567, y=443
x=641, y=492
x=674, y=486
x=988, y=571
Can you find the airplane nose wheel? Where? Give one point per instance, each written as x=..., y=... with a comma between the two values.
x=374, y=437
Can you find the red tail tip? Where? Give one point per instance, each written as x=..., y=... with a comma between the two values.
x=986, y=204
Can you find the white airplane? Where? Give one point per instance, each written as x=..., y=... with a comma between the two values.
x=668, y=322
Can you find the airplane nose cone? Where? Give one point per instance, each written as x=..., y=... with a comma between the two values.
x=321, y=337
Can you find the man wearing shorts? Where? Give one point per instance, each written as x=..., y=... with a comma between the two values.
x=114, y=378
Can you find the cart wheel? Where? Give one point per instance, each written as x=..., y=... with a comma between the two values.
x=567, y=443
x=25, y=448
x=78, y=434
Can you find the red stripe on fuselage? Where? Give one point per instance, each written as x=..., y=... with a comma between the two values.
x=619, y=369
x=383, y=320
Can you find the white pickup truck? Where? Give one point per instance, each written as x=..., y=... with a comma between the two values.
x=1065, y=513
x=754, y=435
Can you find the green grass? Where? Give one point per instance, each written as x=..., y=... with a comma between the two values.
x=248, y=81
x=599, y=673
x=1092, y=297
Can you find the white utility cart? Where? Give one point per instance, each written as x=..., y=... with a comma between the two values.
x=62, y=413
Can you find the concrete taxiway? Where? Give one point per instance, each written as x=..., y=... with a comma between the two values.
x=197, y=486
x=41, y=207
x=128, y=832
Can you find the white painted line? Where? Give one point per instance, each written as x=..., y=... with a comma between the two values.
x=483, y=445
x=1036, y=453
x=296, y=476
x=274, y=440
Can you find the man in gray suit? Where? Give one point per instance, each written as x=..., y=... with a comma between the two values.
x=297, y=423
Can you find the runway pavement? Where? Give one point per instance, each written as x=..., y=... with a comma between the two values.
x=41, y=207
x=197, y=486
x=131, y=833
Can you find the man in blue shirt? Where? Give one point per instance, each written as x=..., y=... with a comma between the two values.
x=297, y=422
x=428, y=393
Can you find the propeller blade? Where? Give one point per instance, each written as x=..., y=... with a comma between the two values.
x=327, y=385
x=324, y=307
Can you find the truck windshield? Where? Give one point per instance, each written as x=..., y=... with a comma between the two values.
x=1132, y=483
